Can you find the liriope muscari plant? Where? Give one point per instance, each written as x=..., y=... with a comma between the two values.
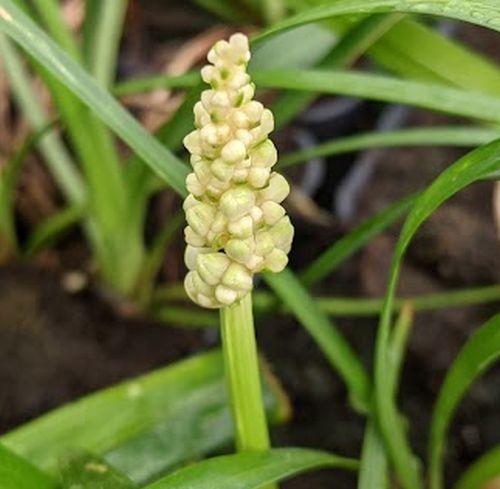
x=236, y=225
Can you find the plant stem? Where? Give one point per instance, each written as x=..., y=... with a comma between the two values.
x=242, y=376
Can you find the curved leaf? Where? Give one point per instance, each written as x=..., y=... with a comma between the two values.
x=251, y=470
x=427, y=136
x=475, y=165
x=485, y=13
x=338, y=352
x=24, y=31
x=480, y=351
x=455, y=101
x=481, y=471
x=151, y=423
x=339, y=251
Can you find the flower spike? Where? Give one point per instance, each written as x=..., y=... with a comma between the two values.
x=236, y=225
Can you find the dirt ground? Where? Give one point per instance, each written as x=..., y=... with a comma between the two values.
x=56, y=346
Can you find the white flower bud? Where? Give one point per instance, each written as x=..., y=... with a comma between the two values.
x=233, y=151
x=237, y=226
x=276, y=190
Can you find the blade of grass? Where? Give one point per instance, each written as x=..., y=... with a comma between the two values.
x=8, y=180
x=352, y=242
x=106, y=40
x=154, y=258
x=18, y=473
x=50, y=230
x=460, y=136
x=338, y=306
x=384, y=88
x=373, y=470
x=149, y=83
x=482, y=471
x=475, y=165
x=338, y=352
x=20, y=27
x=480, y=351
x=428, y=55
x=251, y=470
x=485, y=13
x=57, y=158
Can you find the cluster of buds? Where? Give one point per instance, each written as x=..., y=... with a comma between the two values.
x=236, y=225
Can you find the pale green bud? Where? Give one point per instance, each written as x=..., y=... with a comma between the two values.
x=238, y=277
x=191, y=255
x=212, y=266
x=276, y=190
x=276, y=261
x=236, y=202
x=200, y=217
x=233, y=151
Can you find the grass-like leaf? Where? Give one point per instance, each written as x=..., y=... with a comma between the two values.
x=251, y=470
x=51, y=147
x=477, y=355
x=485, y=13
x=482, y=471
x=436, y=97
x=295, y=297
x=460, y=136
x=475, y=165
x=18, y=473
x=24, y=31
x=345, y=247
x=8, y=180
x=426, y=54
x=50, y=230
x=159, y=419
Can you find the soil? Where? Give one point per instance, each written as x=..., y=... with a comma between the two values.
x=56, y=345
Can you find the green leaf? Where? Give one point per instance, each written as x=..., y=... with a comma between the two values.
x=454, y=101
x=251, y=470
x=21, y=28
x=477, y=355
x=351, y=46
x=331, y=342
x=346, y=246
x=50, y=230
x=160, y=419
x=149, y=83
x=8, y=181
x=428, y=55
x=51, y=147
x=106, y=40
x=460, y=136
x=18, y=473
x=374, y=466
x=473, y=166
x=85, y=471
x=485, y=13
x=482, y=471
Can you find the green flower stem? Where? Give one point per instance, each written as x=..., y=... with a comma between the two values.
x=242, y=377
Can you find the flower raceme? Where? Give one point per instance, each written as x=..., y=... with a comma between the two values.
x=236, y=225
